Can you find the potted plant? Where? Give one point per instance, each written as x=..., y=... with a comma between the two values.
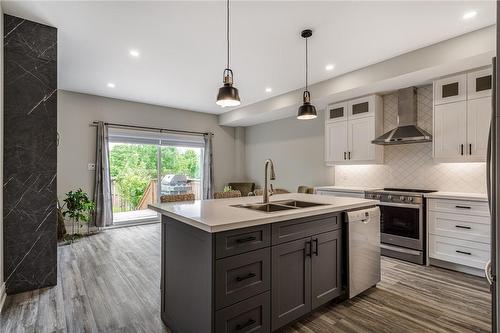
x=78, y=207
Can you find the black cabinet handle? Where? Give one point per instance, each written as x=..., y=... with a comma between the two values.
x=242, y=278
x=462, y=207
x=463, y=252
x=316, y=248
x=349, y=154
x=345, y=156
x=470, y=148
x=308, y=249
x=248, y=323
x=462, y=149
x=462, y=227
x=246, y=239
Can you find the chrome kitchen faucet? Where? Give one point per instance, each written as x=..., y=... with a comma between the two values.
x=267, y=193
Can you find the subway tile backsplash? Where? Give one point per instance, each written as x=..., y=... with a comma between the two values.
x=411, y=165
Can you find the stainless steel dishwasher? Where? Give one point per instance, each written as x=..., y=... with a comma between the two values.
x=363, y=247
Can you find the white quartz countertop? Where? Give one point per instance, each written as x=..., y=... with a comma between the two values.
x=354, y=189
x=220, y=215
x=458, y=196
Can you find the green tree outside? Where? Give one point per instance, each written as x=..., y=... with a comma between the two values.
x=133, y=166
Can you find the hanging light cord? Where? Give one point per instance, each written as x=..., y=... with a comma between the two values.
x=227, y=34
x=307, y=62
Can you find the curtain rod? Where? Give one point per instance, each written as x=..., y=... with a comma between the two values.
x=145, y=128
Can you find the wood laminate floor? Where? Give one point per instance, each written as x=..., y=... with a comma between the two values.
x=110, y=283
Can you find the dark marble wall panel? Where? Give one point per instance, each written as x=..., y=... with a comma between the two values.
x=30, y=155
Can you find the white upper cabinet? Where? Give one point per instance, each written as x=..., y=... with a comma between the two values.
x=462, y=121
x=336, y=112
x=336, y=135
x=350, y=127
x=450, y=89
x=361, y=132
x=450, y=130
x=479, y=84
x=478, y=123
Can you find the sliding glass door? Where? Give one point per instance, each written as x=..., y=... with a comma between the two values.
x=145, y=166
x=181, y=170
x=134, y=181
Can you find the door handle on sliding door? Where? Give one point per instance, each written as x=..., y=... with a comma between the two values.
x=487, y=272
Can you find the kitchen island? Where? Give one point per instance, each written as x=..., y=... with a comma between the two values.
x=229, y=265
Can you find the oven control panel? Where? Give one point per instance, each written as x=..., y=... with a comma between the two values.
x=395, y=197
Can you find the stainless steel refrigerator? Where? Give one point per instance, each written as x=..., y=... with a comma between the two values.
x=493, y=171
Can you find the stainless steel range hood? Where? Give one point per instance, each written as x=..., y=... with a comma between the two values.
x=407, y=130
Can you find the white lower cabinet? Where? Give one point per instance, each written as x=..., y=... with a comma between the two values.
x=459, y=232
x=459, y=251
x=466, y=227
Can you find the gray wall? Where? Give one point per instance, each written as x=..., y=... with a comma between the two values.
x=295, y=146
x=30, y=155
x=77, y=139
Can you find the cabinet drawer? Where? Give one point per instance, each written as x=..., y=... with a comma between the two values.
x=304, y=227
x=477, y=208
x=467, y=227
x=252, y=315
x=459, y=251
x=242, y=276
x=237, y=241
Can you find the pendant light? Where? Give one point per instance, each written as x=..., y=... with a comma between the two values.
x=228, y=95
x=306, y=110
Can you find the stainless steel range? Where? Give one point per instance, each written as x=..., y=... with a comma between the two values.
x=402, y=223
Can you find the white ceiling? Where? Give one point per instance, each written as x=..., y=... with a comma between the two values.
x=182, y=43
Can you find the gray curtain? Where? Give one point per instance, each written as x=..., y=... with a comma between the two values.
x=208, y=168
x=103, y=215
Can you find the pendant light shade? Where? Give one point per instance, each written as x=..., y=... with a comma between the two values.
x=228, y=95
x=306, y=110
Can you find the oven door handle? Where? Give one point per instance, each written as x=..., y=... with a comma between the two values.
x=395, y=204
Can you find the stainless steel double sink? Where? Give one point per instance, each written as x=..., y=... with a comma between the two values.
x=277, y=206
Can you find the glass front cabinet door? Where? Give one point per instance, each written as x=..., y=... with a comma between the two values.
x=450, y=89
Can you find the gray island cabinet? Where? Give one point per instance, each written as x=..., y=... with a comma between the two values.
x=255, y=275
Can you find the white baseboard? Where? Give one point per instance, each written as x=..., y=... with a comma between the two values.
x=3, y=295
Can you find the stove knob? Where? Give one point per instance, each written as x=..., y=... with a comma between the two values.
x=401, y=198
x=410, y=199
x=389, y=197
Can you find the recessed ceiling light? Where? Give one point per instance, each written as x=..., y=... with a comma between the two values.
x=268, y=89
x=134, y=53
x=329, y=67
x=469, y=15
x=111, y=85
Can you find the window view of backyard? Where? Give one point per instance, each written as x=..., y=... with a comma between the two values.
x=136, y=169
